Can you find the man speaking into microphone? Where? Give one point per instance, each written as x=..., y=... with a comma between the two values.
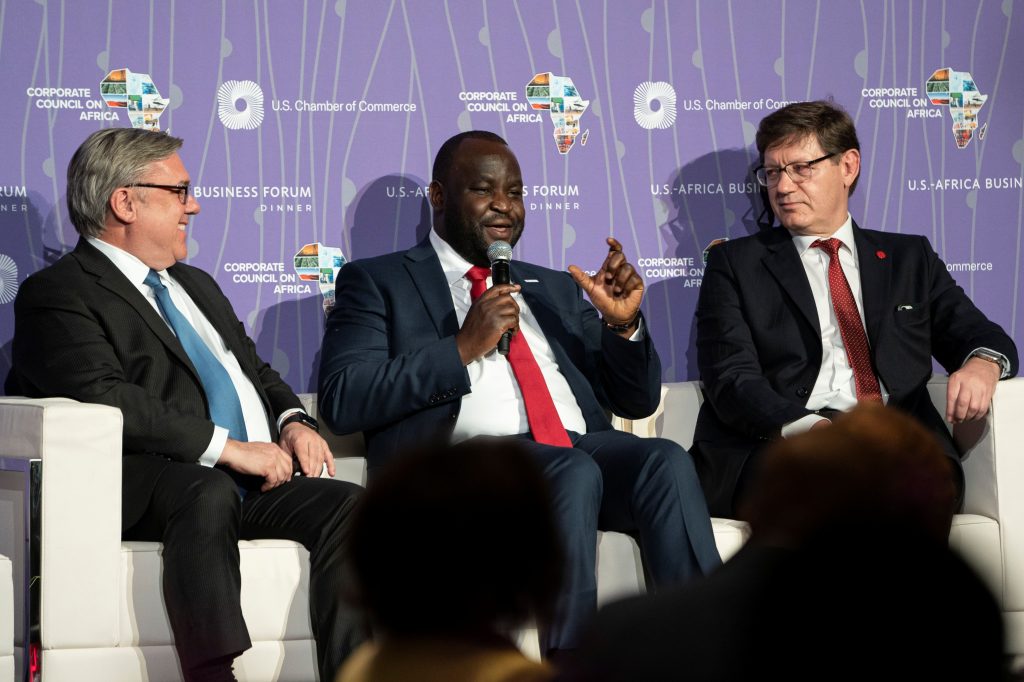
x=410, y=353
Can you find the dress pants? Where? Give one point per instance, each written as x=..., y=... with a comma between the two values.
x=197, y=513
x=611, y=480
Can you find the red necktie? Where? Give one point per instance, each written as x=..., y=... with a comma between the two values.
x=541, y=414
x=850, y=326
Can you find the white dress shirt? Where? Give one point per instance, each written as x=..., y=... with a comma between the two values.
x=252, y=407
x=495, y=406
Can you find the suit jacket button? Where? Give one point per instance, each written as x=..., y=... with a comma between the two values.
x=803, y=392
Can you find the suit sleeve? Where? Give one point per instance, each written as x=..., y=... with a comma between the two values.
x=730, y=369
x=364, y=383
x=63, y=349
x=629, y=376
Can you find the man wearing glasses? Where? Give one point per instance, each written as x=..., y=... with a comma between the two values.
x=212, y=434
x=799, y=322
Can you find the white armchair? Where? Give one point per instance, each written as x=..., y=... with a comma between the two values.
x=6, y=621
x=100, y=612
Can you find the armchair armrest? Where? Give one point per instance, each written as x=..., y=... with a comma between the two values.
x=994, y=469
x=79, y=446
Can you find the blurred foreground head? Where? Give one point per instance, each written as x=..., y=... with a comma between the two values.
x=871, y=589
x=457, y=540
x=874, y=465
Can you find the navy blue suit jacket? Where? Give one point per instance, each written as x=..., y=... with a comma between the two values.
x=390, y=367
x=759, y=343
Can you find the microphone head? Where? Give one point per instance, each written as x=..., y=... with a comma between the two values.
x=499, y=251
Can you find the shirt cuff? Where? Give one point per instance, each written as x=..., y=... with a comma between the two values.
x=639, y=334
x=284, y=415
x=802, y=425
x=216, y=447
x=1004, y=362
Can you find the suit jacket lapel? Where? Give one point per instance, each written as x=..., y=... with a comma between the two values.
x=783, y=261
x=875, y=281
x=538, y=296
x=110, y=278
x=225, y=325
x=428, y=278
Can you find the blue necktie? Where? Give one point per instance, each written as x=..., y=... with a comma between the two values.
x=225, y=408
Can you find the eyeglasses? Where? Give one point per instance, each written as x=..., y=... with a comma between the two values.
x=798, y=171
x=181, y=190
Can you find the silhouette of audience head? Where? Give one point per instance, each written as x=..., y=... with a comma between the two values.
x=872, y=589
x=457, y=540
x=872, y=465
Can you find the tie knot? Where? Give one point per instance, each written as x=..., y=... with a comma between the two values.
x=829, y=246
x=478, y=274
x=153, y=281
x=477, y=277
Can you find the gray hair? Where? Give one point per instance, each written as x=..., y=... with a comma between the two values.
x=108, y=159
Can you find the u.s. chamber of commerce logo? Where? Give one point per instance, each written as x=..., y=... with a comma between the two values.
x=8, y=279
x=958, y=91
x=654, y=105
x=228, y=97
x=135, y=93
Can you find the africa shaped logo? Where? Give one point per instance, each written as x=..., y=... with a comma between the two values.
x=559, y=96
x=136, y=93
x=958, y=91
x=8, y=279
x=649, y=94
x=319, y=263
x=248, y=93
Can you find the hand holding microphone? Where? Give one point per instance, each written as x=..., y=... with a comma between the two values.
x=500, y=254
x=494, y=315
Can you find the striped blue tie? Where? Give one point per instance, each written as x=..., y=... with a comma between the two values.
x=225, y=408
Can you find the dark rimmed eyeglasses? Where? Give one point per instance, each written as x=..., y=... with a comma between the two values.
x=798, y=171
x=181, y=190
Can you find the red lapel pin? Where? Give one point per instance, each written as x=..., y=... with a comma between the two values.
x=880, y=254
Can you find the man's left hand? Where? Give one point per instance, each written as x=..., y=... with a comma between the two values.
x=616, y=290
x=970, y=389
x=308, y=448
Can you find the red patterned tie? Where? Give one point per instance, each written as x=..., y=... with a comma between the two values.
x=850, y=325
x=541, y=414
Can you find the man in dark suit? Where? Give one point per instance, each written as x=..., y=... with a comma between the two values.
x=409, y=354
x=800, y=321
x=211, y=432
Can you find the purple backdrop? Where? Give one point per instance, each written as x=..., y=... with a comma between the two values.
x=356, y=97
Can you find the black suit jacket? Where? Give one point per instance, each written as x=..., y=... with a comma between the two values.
x=759, y=343
x=83, y=331
x=390, y=367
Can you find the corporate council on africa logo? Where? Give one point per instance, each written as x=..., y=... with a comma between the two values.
x=136, y=94
x=958, y=91
x=558, y=95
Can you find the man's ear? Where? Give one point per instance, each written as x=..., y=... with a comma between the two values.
x=436, y=194
x=123, y=205
x=849, y=162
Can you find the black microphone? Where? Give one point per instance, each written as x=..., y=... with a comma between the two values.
x=500, y=253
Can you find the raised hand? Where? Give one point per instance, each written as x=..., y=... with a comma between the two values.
x=616, y=290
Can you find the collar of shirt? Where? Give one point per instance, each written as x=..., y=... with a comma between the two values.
x=844, y=234
x=455, y=266
x=130, y=266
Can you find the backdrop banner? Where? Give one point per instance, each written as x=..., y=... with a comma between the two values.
x=310, y=130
